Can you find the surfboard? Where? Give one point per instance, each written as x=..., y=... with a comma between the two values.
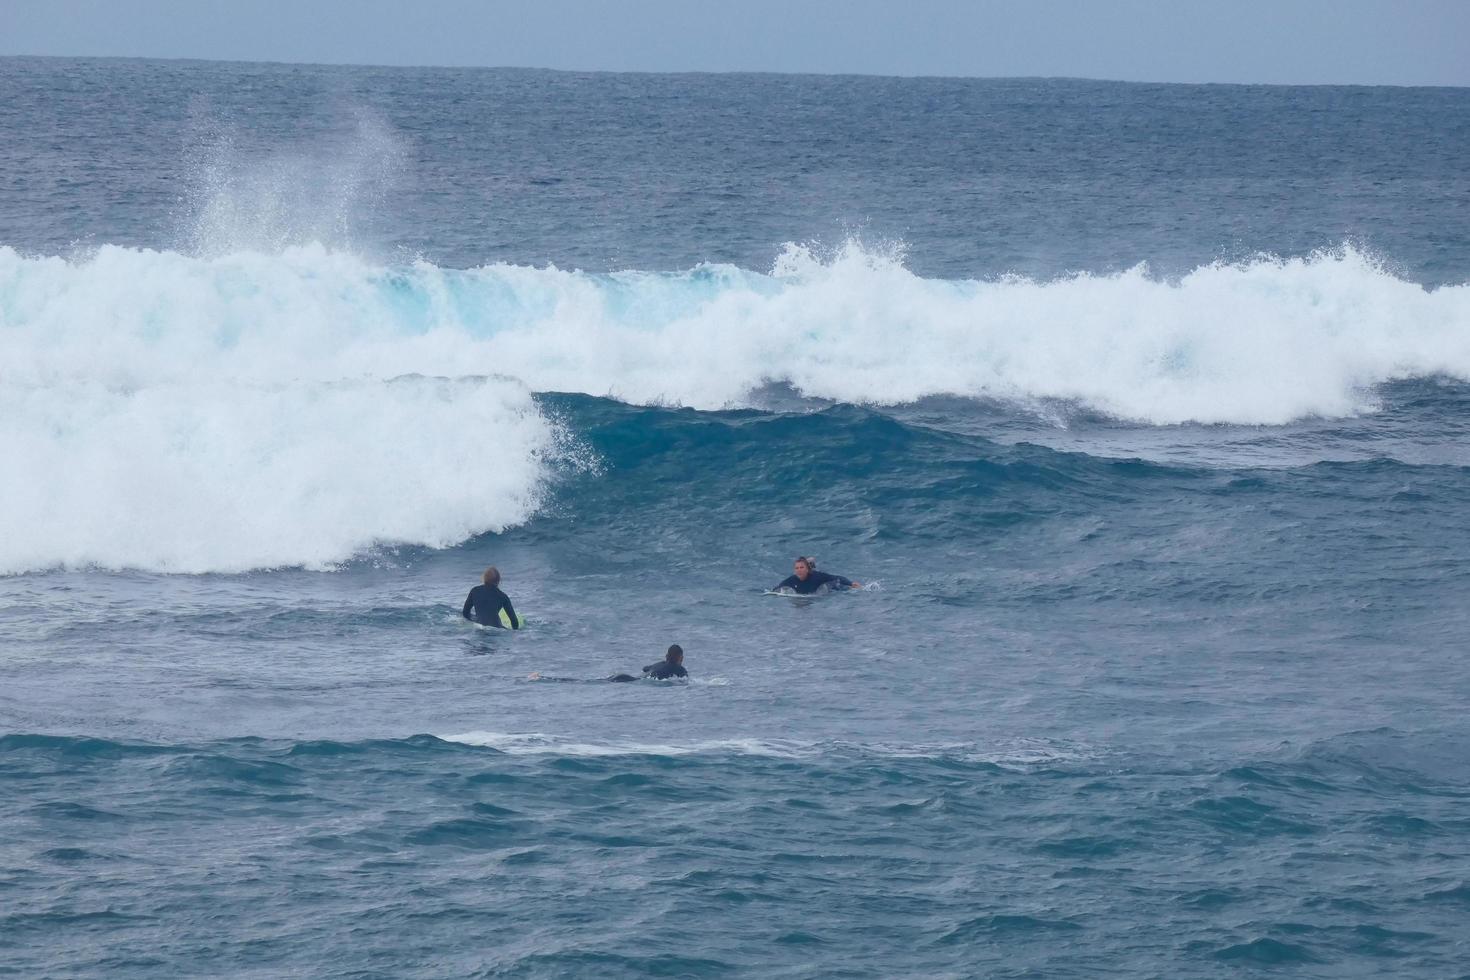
x=824, y=590
x=504, y=621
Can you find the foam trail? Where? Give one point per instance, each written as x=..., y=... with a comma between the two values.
x=1012, y=753
x=535, y=743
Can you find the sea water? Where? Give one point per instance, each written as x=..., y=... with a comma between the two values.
x=1141, y=411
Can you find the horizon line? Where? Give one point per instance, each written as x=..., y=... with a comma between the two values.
x=715, y=72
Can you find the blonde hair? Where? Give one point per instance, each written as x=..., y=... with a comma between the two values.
x=491, y=576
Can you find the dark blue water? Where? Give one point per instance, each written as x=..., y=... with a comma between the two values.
x=1141, y=411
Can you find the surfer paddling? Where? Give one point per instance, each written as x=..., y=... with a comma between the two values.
x=806, y=580
x=671, y=666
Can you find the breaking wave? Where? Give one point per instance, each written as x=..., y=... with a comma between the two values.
x=257, y=410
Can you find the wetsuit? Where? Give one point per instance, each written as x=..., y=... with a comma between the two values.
x=814, y=581
x=483, y=606
x=661, y=671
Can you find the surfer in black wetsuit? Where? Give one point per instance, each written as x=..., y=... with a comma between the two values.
x=671, y=666
x=808, y=580
x=484, y=602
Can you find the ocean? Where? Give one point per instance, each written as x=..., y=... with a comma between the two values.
x=1141, y=412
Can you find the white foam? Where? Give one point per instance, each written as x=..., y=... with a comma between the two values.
x=182, y=415
x=1262, y=343
x=196, y=477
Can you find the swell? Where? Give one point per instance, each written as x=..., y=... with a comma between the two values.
x=1382, y=761
x=1352, y=847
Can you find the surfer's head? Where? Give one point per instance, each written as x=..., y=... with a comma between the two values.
x=675, y=654
x=491, y=576
x=803, y=568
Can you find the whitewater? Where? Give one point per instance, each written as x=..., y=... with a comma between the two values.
x=1142, y=411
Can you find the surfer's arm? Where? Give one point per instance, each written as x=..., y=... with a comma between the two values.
x=820, y=579
x=789, y=582
x=838, y=580
x=510, y=612
x=469, y=602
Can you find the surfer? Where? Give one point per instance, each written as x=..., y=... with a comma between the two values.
x=671, y=666
x=808, y=580
x=485, y=601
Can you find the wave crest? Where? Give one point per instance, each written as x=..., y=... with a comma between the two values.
x=1264, y=342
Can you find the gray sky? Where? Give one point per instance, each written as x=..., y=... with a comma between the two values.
x=1378, y=42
